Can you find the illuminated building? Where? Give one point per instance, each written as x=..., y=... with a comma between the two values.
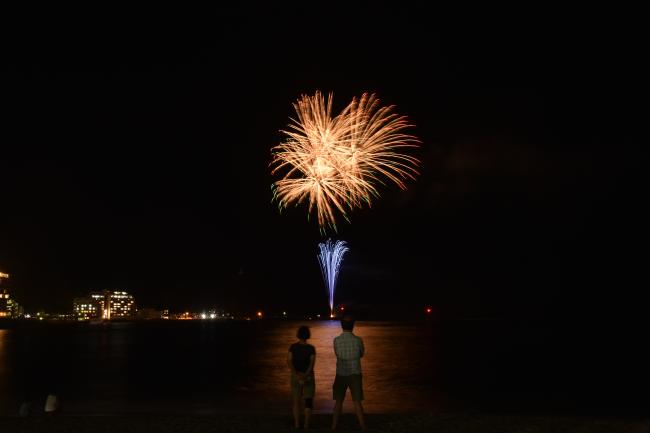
x=4, y=304
x=106, y=305
x=9, y=308
x=15, y=309
x=4, y=298
x=85, y=308
x=122, y=305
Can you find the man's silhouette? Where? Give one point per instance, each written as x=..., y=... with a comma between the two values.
x=349, y=349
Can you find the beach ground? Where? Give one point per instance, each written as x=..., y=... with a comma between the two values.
x=441, y=423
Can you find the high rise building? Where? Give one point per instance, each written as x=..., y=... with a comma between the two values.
x=4, y=304
x=85, y=308
x=9, y=308
x=106, y=305
x=122, y=305
x=4, y=298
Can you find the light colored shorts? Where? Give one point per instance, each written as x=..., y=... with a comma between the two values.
x=304, y=390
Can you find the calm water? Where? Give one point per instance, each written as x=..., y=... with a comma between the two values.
x=200, y=367
x=206, y=367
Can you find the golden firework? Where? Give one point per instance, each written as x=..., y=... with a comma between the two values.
x=336, y=162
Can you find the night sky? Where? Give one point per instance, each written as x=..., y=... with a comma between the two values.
x=135, y=156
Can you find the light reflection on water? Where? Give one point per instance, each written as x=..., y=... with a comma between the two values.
x=397, y=368
x=204, y=367
x=3, y=365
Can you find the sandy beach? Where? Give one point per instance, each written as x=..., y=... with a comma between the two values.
x=442, y=423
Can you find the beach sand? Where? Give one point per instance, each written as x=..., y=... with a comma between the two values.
x=440, y=423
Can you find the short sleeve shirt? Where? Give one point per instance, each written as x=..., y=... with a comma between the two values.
x=349, y=350
x=301, y=356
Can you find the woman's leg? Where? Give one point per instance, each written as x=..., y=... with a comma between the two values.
x=307, y=417
x=309, y=402
x=296, y=411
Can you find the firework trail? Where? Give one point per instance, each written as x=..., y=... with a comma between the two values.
x=335, y=163
x=330, y=258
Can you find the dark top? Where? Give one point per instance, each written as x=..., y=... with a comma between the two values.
x=300, y=356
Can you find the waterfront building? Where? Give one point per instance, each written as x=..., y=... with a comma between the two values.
x=9, y=308
x=86, y=308
x=4, y=303
x=106, y=305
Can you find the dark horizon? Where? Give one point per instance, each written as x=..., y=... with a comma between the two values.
x=140, y=163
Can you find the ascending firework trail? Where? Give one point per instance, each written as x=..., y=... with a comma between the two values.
x=330, y=257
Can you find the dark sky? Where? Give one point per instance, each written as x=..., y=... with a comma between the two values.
x=135, y=155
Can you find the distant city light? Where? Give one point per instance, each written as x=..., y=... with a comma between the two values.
x=204, y=316
x=213, y=316
x=428, y=310
x=284, y=313
x=259, y=314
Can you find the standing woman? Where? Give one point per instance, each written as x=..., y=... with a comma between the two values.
x=301, y=359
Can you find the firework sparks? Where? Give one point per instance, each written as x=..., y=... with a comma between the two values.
x=336, y=162
x=330, y=258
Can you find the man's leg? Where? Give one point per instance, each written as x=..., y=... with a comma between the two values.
x=338, y=406
x=358, y=409
x=338, y=393
x=356, y=389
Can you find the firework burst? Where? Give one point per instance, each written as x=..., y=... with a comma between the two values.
x=335, y=163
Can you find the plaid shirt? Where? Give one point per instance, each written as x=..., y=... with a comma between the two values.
x=349, y=350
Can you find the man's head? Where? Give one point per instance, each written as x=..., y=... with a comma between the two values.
x=347, y=323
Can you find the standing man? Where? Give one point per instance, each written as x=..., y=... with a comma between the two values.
x=349, y=350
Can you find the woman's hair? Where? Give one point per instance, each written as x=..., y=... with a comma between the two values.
x=303, y=333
